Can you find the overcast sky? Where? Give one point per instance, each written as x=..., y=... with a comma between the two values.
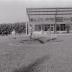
x=15, y=10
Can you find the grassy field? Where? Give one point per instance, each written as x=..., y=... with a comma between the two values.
x=53, y=56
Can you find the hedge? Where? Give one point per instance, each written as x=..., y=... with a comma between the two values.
x=6, y=29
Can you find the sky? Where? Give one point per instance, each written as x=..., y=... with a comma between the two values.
x=12, y=11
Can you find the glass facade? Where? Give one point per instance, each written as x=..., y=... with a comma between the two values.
x=44, y=27
x=50, y=27
x=50, y=19
x=59, y=19
x=60, y=27
x=37, y=27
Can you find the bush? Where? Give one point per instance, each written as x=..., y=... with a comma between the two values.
x=20, y=28
x=6, y=29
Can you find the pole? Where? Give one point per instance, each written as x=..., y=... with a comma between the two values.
x=55, y=22
x=27, y=28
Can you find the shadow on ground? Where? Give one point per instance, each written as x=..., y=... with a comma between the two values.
x=41, y=40
x=36, y=66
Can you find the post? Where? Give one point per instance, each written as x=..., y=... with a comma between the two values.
x=55, y=22
x=68, y=28
x=27, y=28
x=31, y=31
x=50, y=32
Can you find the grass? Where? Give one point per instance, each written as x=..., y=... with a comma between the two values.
x=33, y=67
x=41, y=40
x=23, y=57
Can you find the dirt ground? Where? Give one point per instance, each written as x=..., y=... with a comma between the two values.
x=56, y=55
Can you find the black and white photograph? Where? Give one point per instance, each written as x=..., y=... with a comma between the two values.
x=35, y=35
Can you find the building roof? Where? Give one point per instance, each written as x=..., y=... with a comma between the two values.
x=49, y=11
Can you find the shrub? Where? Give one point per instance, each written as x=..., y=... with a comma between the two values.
x=20, y=28
x=6, y=29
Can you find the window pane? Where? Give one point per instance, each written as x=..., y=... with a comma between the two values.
x=37, y=27
x=62, y=27
x=57, y=27
x=52, y=24
x=71, y=18
x=59, y=19
x=32, y=19
x=52, y=28
x=46, y=27
x=49, y=19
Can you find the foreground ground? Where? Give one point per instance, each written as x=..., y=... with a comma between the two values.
x=58, y=54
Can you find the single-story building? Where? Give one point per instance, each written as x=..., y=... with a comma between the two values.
x=53, y=20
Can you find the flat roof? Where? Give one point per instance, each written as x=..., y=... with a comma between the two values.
x=52, y=11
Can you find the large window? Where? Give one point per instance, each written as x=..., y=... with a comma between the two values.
x=37, y=27
x=32, y=19
x=59, y=19
x=49, y=19
x=60, y=27
x=52, y=27
x=40, y=19
x=71, y=18
x=46, y=27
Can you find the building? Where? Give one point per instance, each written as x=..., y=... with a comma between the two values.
x=54, y=20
